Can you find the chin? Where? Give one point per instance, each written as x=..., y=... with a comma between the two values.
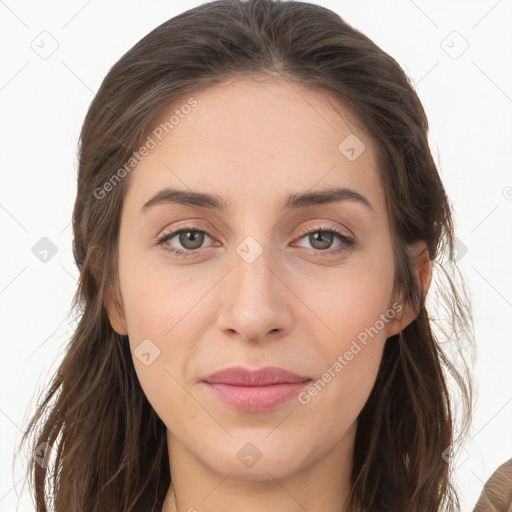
x=258, y=460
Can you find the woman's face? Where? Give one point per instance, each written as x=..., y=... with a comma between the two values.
x=260, y=284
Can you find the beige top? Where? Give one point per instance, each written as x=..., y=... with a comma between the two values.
x=496, y=495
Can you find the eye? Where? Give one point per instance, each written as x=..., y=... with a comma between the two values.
x=321, y=239
x=191, y=238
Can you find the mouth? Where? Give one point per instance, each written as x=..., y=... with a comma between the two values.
x=255, y=391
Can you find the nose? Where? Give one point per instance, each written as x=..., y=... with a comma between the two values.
x=257, y=297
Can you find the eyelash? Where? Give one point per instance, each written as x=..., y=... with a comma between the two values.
x=348, y=243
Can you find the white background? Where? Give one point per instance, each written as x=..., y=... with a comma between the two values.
x=43, y=103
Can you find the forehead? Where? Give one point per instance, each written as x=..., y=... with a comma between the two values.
x=253, y=138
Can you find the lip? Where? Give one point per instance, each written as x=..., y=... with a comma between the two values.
x=255, y=390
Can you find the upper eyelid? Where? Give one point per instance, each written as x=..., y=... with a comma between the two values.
x=196, y=227
x=321, y=226
x=325, y=227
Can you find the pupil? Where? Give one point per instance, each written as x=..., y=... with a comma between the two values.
x=191, y=236
x=323, y=237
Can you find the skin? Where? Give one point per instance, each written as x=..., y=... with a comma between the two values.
x=252, y=142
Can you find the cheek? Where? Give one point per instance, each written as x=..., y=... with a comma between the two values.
x=349, y=302
x=165, y=318
x=157, y=320
x=158, y=299
x=354, y=315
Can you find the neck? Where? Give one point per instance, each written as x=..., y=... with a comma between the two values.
x=322, y=486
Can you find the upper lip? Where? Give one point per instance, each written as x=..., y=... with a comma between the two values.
x=240, y=376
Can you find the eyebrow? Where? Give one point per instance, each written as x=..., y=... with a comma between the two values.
x=170, y=195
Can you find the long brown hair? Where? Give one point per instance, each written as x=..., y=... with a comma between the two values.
x=108, y=446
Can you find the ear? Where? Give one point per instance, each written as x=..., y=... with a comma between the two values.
x=422, y=269
x=115, y=311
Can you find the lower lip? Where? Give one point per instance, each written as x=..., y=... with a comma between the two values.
x=256, y=398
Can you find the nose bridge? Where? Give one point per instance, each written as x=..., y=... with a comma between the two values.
x=254, y=279
x=255, y=303
x=253, y=255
